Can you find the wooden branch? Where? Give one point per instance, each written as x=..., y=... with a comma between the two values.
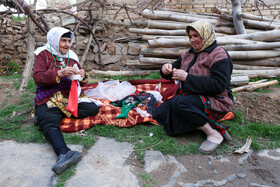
x=175, y=16
x=250, y=47
x=121, y=73
x=252, y=55
x=259, y=36
x=172, y=53
x=253, y=87
x=248, y=67
x=180, y=42
x=159, y=61
x=158, y=32
x=260, y=73
x=84, y=57
x=239, y=80
x=274, y=62
x=26, y=74
x=236, y=11
x=22, y=4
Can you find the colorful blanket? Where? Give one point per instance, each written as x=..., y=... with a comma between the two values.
x=108, y=113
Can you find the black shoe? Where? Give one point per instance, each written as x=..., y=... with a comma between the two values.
x=64, y=161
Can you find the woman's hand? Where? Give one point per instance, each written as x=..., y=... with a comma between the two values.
x=166, y=69
x=180, y=75
x=66, y=72
x=81, y=72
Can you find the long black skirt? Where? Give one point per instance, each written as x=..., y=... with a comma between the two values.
x=181, y=114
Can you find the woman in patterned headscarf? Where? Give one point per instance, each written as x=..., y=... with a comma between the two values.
x=54, y=68
x=203, y=96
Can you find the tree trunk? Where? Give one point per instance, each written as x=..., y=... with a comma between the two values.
x=236, y=12
x=26, y=74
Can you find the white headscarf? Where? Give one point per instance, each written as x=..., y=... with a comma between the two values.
x=52, y=45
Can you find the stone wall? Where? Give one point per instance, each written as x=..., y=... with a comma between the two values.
x=116, y=43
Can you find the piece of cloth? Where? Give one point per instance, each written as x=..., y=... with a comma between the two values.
x=73, y=99
x=52, y=45
x=206, y=32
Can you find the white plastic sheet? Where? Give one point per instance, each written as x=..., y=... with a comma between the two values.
x=111, y=90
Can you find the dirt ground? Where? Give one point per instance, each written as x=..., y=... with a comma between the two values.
x=255, y=106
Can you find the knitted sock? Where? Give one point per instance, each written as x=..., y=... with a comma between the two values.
x=212, y=134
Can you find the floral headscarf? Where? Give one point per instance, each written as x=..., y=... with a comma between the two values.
x=206, y=32
x=52, y=45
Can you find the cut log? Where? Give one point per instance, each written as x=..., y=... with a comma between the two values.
x=239, y=80
x=169, y=25
x=152, y=37
x=180, y=42
x=249, y=47
x=258, y=18
x=252, y=55
x=175, y=16
x=172, y=53
x=121, y=73
x=158, y=32
x=253, y=87
x=275, y=62
x=248, y=67
x=159, y=61
x=259, y=36
x=252, y=23
x=259, y=73
x=138, y=64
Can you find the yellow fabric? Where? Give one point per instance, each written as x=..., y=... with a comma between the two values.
x=58, y=100
x=206, y=32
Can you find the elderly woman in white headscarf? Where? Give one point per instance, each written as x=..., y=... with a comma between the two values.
x=203, y=95
x=54, y=65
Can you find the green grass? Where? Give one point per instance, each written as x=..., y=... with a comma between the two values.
x=21, y=129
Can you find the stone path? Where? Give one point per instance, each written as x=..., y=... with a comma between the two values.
x=108, y=164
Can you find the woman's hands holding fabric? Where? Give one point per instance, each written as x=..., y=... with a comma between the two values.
x=166, y=69
x=81, y=72
x=179, y=74
x=65, y=72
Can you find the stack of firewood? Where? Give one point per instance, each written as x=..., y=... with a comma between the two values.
x=256, y=54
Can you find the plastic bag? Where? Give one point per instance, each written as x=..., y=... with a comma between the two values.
x=111, y=90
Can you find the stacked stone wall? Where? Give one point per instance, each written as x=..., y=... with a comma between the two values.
x=115, y=53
